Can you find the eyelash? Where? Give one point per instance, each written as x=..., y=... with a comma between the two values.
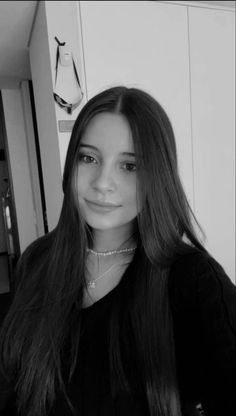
x=83, y=157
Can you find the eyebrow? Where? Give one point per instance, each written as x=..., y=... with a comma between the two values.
x=95, y=148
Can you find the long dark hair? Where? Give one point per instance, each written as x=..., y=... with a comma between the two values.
x=50, y=278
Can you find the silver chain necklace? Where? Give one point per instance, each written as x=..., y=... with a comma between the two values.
x=92, y=283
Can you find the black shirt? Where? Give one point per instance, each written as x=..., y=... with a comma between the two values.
x=203, y=303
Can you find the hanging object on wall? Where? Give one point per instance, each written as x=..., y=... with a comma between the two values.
x=64, y=58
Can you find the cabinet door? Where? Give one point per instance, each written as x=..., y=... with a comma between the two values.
x=213, y=114
x=142, y=44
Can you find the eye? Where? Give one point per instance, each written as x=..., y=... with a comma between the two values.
x=130, y=167
x=86, y=158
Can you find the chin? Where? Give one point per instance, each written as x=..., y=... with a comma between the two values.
x=103, y=225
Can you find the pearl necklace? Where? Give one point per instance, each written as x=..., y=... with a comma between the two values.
x=109, y=253
x=92, y=283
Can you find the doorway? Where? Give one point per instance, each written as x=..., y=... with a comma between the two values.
x=9, y=238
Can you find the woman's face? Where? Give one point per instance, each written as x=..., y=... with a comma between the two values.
x=107, y=174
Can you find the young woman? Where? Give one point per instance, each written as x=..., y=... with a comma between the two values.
x=120, y=310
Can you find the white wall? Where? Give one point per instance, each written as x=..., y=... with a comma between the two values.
x=60, y=19
x=46, y=117
x=66, y=27
x=213, y=128
x=146, y=54
x=187, y=64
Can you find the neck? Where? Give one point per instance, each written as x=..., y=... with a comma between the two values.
x=109, y=240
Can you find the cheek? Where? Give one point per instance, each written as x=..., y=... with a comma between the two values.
x=130, y=195
x=82, y=182
x=80, y=185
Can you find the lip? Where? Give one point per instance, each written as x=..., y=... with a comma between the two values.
x=101, y=206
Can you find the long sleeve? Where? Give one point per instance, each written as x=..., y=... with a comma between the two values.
x=203, y=303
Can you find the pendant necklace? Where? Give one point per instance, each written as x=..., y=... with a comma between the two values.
x=92, y=283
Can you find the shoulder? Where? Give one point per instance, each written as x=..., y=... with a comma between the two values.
x=33, y=258
x=194, y=262
x=36, y=249
x=197, y=279
x=38, y=246
x=198, y=282
x=203, y=304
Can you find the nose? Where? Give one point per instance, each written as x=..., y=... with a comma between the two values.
x=104, y=180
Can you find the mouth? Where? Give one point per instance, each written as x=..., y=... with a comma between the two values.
x=101, y=206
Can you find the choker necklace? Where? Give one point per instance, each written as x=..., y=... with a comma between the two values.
x=109, y=253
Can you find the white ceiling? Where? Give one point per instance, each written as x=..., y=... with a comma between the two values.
x=224, y=4
x=218, y=3
x=16, y=18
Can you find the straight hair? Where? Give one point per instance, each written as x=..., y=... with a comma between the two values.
x=44, y=318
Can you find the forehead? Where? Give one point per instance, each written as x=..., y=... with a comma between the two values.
x=109, y=131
